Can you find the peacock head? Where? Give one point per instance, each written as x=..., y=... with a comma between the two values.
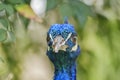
x=62, y=37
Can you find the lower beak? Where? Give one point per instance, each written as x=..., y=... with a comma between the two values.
x=57, y=47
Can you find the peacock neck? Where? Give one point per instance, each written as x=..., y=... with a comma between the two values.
x=64, y=63
x=65, y=73
x=65, y=66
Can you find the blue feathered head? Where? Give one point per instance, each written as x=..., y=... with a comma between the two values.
x=62, y=37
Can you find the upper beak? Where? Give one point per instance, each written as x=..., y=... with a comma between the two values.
x=58, y=43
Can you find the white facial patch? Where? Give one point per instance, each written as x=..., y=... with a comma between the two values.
x=74, y=48
x=59, y=42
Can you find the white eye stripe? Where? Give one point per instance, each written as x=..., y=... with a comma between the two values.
x=48, y=48
x=51, y=37
x=69, y=35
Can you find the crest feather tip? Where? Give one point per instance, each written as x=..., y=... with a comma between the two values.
x=66, y=20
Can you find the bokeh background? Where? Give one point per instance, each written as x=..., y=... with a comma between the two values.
x=23, y=28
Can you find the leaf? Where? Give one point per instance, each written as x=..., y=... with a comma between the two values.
x=82, y=19
x=81, y=11
x=74, y=8
x=25, y=21
x=26, y=11
x=3, y=35
x=2, y=10
x=2, y=6
x=9, y=9
x=10, y=37
x=27, y=1
x=2, y=13
x=1, y=59
x=80, y=7
x=65, y=10
x=52, y=4
x=4, y=22
x=14, y=1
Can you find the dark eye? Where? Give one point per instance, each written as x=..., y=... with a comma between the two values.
x=48, y=38
x=74, y=39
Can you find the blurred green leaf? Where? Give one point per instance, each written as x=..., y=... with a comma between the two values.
x=82, y=19
x=2, y=13
x=26, y=11
x=3, y=35
x=65, y=10
x=25, y=21
x=10, y=37
x=2, y=6
x=2, y=10
x=81, y=11
x=9, y=9
x=27, y=1
x=4, y=22
x=1, y=59
x=74, y=8
x=52, y=4
x=14, y=1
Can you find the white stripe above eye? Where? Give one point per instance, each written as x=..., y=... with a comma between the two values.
x=69, y=35
x=51, y=37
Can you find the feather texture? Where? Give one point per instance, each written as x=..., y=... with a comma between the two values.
x=60, y=35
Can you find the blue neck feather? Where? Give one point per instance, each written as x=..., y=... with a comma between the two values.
x=64, y=63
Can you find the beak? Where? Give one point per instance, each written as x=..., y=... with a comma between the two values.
x=59, y=43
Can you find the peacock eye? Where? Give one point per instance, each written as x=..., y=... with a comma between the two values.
x=48, y=38
x=74, y=39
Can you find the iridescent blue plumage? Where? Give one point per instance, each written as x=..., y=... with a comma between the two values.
x=63, y=59
x=61, y=29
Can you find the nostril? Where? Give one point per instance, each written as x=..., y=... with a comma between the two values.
x=62, y=42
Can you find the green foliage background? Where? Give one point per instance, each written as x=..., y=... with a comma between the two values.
x=98, y=30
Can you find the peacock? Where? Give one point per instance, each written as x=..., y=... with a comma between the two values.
x=63, y=50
